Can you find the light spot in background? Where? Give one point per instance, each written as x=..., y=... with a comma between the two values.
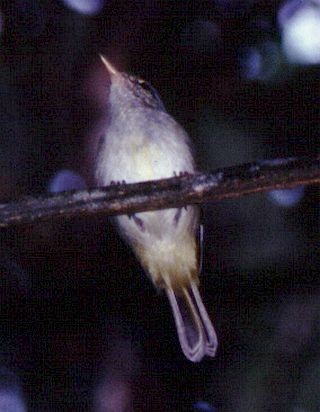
x=286, y=197
x=11, y=402
x=114, y=391
x=252, y=63
x=260, y=62
x=11, y=398
x=66, y=180
x=203, y=406
x=200, y=36
x=89, y=7
x=113, y=396
x=299, y=22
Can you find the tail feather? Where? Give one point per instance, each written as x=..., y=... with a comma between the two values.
x=195, y=331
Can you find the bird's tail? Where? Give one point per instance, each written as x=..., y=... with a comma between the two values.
x=195, y=331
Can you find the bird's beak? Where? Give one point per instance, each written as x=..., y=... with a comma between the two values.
x=110, y=68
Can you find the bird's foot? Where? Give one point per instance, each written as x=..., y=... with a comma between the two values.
x=180, y=174
x=117, y=182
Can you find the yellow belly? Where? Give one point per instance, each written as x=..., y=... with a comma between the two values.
x=142, y=161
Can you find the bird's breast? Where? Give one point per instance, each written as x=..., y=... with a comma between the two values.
x=137, y=149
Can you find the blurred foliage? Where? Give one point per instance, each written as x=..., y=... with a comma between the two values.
x=73, y=299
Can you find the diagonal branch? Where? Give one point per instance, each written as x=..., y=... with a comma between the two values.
x=230, y=182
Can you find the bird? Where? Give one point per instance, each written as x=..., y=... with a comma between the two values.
x=141, y=141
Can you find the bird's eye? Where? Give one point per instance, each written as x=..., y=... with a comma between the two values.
x=146, y=86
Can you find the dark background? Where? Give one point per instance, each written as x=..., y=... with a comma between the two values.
x=81, y=326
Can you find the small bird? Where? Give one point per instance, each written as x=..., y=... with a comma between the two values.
x=141, y=142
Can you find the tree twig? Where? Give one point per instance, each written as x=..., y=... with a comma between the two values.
x=200, y=188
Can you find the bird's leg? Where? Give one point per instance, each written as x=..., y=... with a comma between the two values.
x=177, y=216
x=179, y=211
x=137, y=220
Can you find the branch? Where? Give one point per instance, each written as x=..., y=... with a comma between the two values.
x=199, y=188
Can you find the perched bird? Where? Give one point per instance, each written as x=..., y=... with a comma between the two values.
x=141, y=142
